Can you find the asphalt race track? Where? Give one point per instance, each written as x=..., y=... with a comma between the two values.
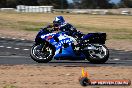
x=17, y=52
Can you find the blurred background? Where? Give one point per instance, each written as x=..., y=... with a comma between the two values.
x=68, y=4
x=110, y=16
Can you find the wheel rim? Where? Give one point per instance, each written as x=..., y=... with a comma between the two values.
x=42, y=54
x=100, y=52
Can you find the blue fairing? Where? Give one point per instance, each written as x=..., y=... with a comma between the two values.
x=65, y=52
x=69, y=53
x=40, y=33
x=87, y=36
x=60, y=51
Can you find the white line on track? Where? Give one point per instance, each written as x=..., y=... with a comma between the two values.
x=2, y=37
x=22, y=39
x=14, y=56
x=25, y=49
x=121, y=60
x=2, y=46
x=116, y=59
x=13, y=38
x=13, y=48
x=16, y=48
x=8, y=47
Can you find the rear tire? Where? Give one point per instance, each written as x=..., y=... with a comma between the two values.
x=42, y=56
x=97, y=59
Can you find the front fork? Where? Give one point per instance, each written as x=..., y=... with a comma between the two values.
x=42, y=46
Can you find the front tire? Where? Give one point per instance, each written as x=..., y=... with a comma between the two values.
x=99, y=56
x=42, y=53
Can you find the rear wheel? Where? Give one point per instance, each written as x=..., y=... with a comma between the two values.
x=98, y=55
x=42, y=53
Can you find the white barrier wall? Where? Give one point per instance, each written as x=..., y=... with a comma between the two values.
x=45, y=9
x=123, y=11
x=7, y=9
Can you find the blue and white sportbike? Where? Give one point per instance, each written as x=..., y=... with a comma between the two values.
x=59, y=46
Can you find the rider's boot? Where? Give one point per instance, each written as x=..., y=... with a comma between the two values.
x=77, y=49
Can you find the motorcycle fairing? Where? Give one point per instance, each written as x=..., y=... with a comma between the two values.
x=63, y=39
x=95, y=38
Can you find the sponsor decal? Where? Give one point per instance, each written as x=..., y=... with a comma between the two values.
x=50, y=34
x=61, y=42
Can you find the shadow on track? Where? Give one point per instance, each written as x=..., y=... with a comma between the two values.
x=124, y=57
x=117, y=58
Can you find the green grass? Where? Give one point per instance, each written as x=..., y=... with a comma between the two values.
x=21, y=25
x=116, y=27
x=126, y=36
x=9, y=86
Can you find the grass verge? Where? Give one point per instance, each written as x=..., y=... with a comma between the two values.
x=117, y=27
x=9, y=86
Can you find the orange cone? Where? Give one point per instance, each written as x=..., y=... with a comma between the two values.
x=84, y=74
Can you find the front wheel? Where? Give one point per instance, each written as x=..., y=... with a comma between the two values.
x=98, y=54
x=42, y=53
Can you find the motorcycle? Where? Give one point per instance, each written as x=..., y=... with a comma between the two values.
x=59, y=46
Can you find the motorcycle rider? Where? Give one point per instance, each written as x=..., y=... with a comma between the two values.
x=59, y=24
